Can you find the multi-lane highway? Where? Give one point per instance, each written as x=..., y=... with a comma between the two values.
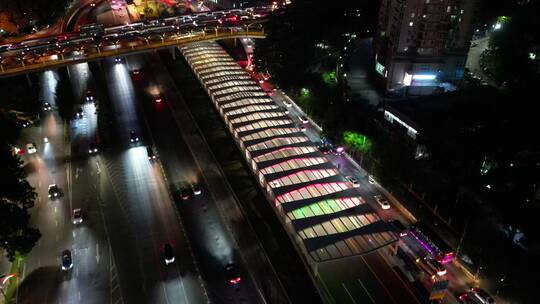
x=129, y=202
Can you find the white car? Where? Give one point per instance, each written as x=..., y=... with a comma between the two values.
x=302, y=127
x=77, y=216
x=303, y=119
x=382, y=202
x=287, y=103
x=353, y=181
x=31, y=148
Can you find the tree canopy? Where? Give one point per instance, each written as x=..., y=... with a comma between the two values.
x=16, y=197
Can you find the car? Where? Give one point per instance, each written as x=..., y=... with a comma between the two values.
x=31, y=148
x=196, y=189
x=136, y=72
x=184, y=194
x=133, y=137
x=302, y=127
x=303, y=119
x=54, y=191
x=398, y=227
x=371, y=179
x=481, y=296
x=325, y=149
x=25, y=123
x=117, y=59
x=47, y=106
x=338, y=150
x=284, y=110
x=353, y=181
x=168, y=254
x=474, y=44
x=232, y=274
x=89, y=96
x=77, y=216
x=382, y=202
x=150, y=153
x=229, y=20
x=287, y=103
x=158, y=99
x=437, y=266
x=67, y=262
x=80, y=113
x=92, y=148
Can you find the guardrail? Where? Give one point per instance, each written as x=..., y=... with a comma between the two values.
x=96, y=53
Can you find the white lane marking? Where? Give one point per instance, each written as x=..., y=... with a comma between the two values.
x=97, y=253
x=24, y=271
x=79, y=296
x=54, y=209
x=349, y=294
x=76, y=272
x=365, y=289
x=73, y=232
x=56, y=223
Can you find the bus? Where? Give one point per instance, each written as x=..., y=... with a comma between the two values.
x=93, y=29
x=432, y=243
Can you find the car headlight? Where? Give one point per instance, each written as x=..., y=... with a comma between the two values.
x=55, y=194
x=131, y=140
x=50, y=195
x=95, y=150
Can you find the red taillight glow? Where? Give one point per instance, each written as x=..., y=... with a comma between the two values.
x=235, y=281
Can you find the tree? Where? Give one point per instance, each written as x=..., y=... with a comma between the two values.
x=16, y=197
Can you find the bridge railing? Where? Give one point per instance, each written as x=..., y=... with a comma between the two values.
x=102, y=50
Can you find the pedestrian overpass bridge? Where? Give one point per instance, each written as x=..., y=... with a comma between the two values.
x=85, y=52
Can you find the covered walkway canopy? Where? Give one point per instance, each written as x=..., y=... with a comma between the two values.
x=316, y=203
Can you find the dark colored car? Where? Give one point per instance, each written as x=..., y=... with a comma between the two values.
x=150, y=153
x=54, y=191
x=80, y=113
x=47, y=106
x=89, y=96
x=168, y=254
x=184, y=194
x=196, y=189
x=133, y=137
x=67, y=262
x=92, y=148
x=232, y=274
x=398, y=227
x=325, y=149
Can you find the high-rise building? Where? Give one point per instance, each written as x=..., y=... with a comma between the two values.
x=423, y=44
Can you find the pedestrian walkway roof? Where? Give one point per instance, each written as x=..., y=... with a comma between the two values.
x=323, y=209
